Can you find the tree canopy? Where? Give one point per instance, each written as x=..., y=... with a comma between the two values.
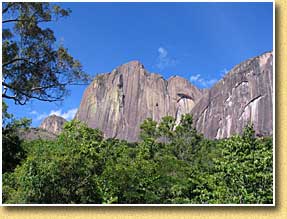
x=12, y=152
x=170, y=165
x=33, y=66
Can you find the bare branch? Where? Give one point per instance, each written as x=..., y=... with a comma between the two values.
x=48, y=99
x=13, y=20
x=16, y=60
x=8, y=97
x=77, y=84
x=7, y=8
x=21, y=20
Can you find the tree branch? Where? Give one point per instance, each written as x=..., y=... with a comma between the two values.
x=8, y=97
x=78, y=84
x=48, y=99
x=13, y=20
x=9, y=6
x=20, y=20
x=16, y=60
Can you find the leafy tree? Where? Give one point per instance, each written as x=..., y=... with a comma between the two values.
x=61, y=171
x=173, y=150
x=33, y=66
x=148, y=129
x=201, y=181
x=12, y=151
x=169, y=165
x=166, y=128
x=186, y=139
x=244, y=172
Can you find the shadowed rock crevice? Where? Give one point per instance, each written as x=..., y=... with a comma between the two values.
x=119, y=101
x=128, y=95
x=243, y=96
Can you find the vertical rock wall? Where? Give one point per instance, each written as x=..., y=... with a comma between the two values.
x=244, y=95
x=119, y=101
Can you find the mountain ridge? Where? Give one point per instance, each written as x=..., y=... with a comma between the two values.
x=236, y=96
x=117, y=102
x=128, y=95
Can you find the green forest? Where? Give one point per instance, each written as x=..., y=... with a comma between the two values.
x=169, y=165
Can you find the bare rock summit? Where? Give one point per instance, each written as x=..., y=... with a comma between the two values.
x=244, y=95
x=119, y=101
x=53, y=124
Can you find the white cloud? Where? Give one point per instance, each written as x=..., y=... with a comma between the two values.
x=201, y=81
x=162, y=52
x=194, y=78
x=38, y=116
x=223, y=72
x=41, y=116
x=34, y=112
x=66, y=115
x=163, y=59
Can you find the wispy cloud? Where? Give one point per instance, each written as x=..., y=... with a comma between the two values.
x=224, y=72
x=38, y=116
x=68, y=115
x=198, y=79
x=163, y=59
x=34, y=112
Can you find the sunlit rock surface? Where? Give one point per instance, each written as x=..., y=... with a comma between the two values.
x=119, y=101
x=53, y=124
x=244, y=95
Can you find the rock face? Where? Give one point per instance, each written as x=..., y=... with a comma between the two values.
x=35, y=133
x=53, y=124
x=119, y=101
x=49, y=129
x=244, y=95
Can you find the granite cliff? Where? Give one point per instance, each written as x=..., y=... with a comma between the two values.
x=53, y=124
x=49, y=129
x=244, y=95
x=119, y=101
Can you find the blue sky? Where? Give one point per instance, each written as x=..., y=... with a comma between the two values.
x=198, y=41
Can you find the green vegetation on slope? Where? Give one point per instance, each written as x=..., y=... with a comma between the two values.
x=167, y=166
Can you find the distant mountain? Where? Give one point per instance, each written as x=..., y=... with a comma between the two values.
x=36, y=133
x=49, y=129
x=53, y=124
x=119, y=101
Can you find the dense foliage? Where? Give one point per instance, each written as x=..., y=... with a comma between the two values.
x=169, y=165
x=33, y=65
x=12, y=152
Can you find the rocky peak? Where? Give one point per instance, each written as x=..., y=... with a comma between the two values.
x=244, y=95
x=53, y=124
x=119, y=101
x=133, y=63
x=130, y=67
